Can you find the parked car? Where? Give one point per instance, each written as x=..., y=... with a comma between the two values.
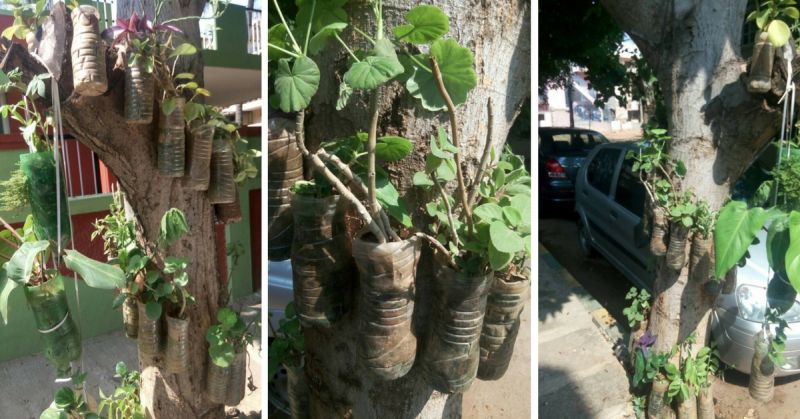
x=610, y=203
x=561, y=153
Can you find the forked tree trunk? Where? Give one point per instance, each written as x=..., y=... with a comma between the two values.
x=499, y=35
x=717, y=127
x=130, y=152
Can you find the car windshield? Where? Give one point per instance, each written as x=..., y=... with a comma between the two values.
x=570, y=142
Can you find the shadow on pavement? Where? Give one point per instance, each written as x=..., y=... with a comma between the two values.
x=566, y=402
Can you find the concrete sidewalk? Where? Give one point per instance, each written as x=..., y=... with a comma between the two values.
x=579, y=376
x=28, y=386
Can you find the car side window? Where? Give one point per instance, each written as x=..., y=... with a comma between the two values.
x=600, y=171
x=630, y=191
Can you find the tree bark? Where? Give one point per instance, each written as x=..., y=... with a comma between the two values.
x=130, y=153
x=717, y=126
x=499, y=35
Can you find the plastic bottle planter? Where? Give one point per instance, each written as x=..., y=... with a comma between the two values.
x=705, y=403
x=658, y=244
x=676, y=253
x=701, y=260
x=636, y=333
x=222, y=188
x=62, y=340
x=88, y=53
x=149, y=335
x=760, y=76
x=655, y=402
x=40, y=181
x=762, y=370
x=199, y=162
x=687, y=408
x=130, y=317
x=177, y=353
x=172, y=141
x=237, y=379
x=501, y=324
x=387, y=345
x=230, y=213
x=139, y=90
x=217, y=379
x=319, y=253
x=298, y=392
x=452, y=355
x=285, y=167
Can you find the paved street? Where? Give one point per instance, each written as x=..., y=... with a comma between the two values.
x=579, y=377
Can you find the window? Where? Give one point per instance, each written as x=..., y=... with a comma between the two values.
x=601, y=169
x=630, y=192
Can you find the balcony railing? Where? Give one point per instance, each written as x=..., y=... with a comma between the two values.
x=254, y=32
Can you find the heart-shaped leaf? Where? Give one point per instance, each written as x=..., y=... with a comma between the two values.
x=425, y=24
x=734, y=232
x=778, y=242
x=456, y=65
x=320, y=39
x=296, y=85
x=512, y=215
x=96, y=274
x=778, y=33
x=345, y=92
x=422, y=179
x=20, y=266
x=372, y=72
x=504, y=239
x=392, y=148
x=153, y=310
x=488, y=212
x=325, y=13
x=389, y=198
x=499, y=260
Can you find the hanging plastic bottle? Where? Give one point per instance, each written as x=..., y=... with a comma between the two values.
x=761, y=65
x=762, y=370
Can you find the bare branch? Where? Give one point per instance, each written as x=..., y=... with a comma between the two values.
x=11, y=229
x=438, y=246
x=487, y=151
x=453, y=233
x=319, y=165
x=451, y=109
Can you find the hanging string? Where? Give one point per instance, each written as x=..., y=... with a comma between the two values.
x=58, y=143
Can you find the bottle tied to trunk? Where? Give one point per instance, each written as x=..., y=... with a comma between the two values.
x=172, y=141
x=88, y=53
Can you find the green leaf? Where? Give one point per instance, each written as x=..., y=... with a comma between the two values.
x=20, y=266
x=222, y=355
x=296, y=85
x=173, y=226
x=372, y=72
x=422, y=179
x=95, y=274
x=734, y=232
x=6, y=286
x=793, y=253
x=153, y=310
x=192, y=111
x=392, y=148
x=425, y=24
x=183, y=49
x=345, y=92
x=3, y=78
x=227, y=317
x=320, y=39
x=389, y=198
x=184, y=76
x=778, y=242
x=522, y=203
x=504, y=239
x=325, y=13
x=499, y=260
x=65, y=397
x=488, y=212
x=792, y=12
x=446, y=171
x=512, y=215
x=456, y=65
x=778, y=33
x=280, y=38
x=168, y=106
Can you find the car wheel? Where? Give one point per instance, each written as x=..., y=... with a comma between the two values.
x=585, y=242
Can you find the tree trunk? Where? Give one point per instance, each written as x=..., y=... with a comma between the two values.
x=499, y=35
x=130, y=152
x=694, y=49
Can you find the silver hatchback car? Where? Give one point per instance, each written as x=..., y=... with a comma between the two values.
x=609, y=200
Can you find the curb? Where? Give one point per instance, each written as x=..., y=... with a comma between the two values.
x=612, y=332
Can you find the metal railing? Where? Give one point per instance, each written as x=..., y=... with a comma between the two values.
x=254, y=46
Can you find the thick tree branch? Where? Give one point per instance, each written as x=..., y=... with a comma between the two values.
x=487, y=152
